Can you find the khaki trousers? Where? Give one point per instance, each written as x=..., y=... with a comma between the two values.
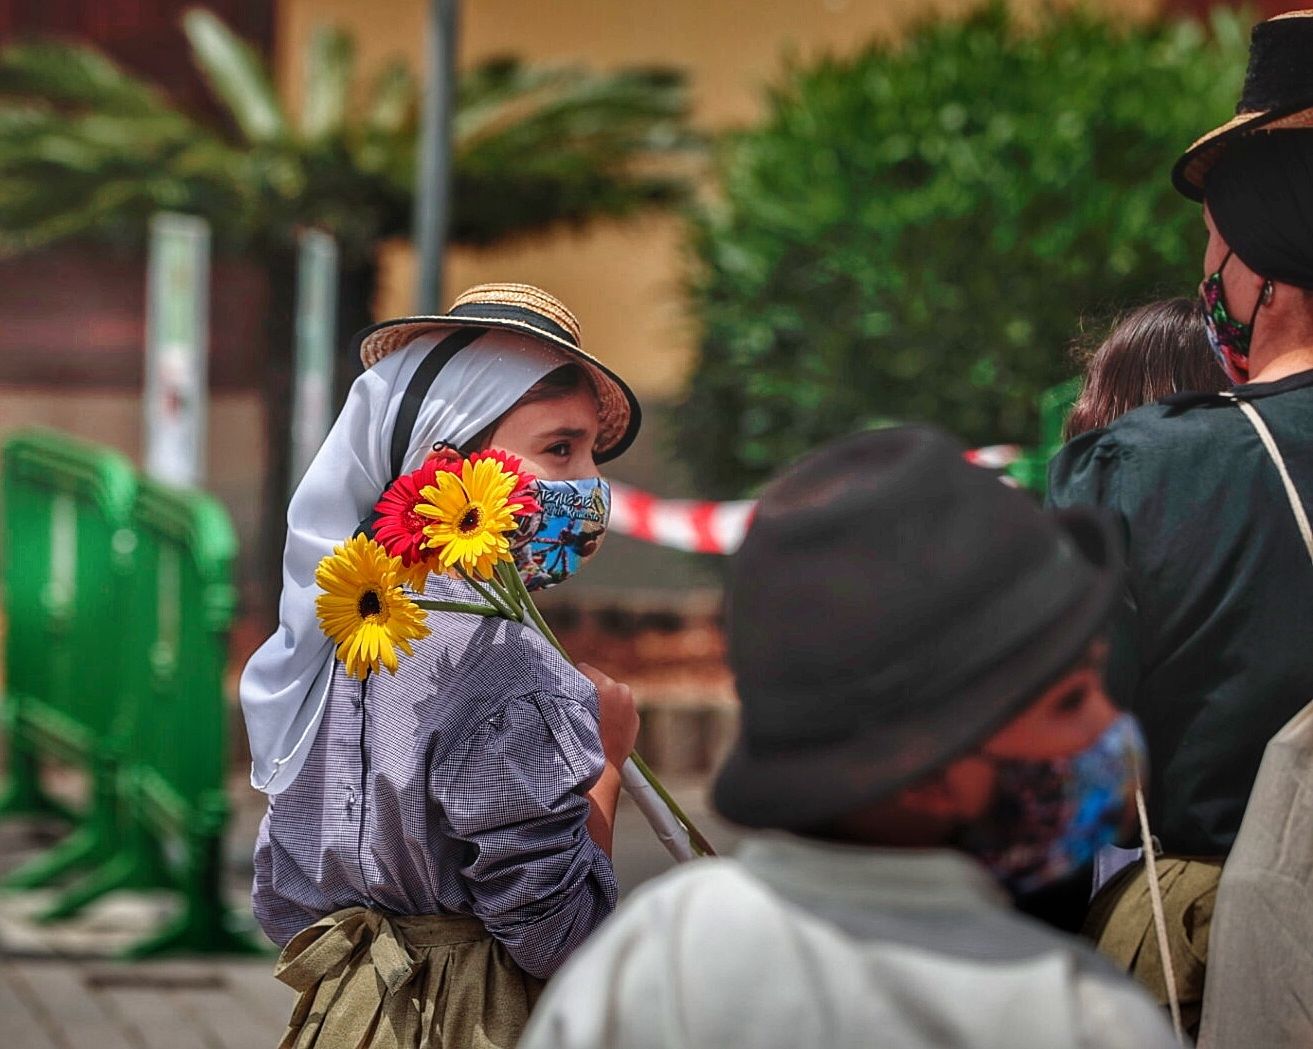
x=1120, y=922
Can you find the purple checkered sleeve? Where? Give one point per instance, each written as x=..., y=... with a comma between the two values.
x=456, y=786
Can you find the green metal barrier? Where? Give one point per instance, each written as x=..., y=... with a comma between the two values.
x=172, y=784
x=118, y=600
x=184, y=591
x=1055, y=404
x=67, y=549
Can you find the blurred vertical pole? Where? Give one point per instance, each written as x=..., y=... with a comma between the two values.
x=433, y=186
x=316, y=334
x=279, y=366
x=177, y=348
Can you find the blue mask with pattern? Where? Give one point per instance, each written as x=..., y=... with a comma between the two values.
x=1048, y=818
x=555, y=543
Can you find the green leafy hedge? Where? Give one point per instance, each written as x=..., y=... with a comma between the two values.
x=917, y=232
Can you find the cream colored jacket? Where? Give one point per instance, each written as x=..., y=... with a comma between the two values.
x=797, y=944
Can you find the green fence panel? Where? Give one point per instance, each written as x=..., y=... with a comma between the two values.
x=67, y=548
x=183, y=601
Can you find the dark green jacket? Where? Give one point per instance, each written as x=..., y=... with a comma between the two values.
x=1216, y=652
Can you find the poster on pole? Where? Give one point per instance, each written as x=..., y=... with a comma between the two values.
x=177, y=349
x=316, y=331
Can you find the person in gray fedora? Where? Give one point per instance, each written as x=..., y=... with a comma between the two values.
x=925, y=734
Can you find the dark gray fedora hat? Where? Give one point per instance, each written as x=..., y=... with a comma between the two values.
x=893, y=606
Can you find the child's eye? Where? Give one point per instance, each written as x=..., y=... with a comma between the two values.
x=1072, y=700
x=560, y=449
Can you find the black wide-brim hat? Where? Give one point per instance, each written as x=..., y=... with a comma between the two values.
x=890, y=609
x=1277, y=96
x=533, y=312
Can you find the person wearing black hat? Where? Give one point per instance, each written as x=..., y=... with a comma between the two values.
x=917, y=651
x=1214, y=655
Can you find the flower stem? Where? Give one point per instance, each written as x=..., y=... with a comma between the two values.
x=695, y=836
x=490, y=595
x=469, y=607
x=536, y=617
x=511, y=588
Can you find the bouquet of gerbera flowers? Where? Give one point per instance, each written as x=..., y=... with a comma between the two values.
x=457, y=515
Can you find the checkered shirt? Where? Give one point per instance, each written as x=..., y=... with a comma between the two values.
x=456, y=786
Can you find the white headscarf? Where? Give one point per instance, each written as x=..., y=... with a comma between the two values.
x=285, y=685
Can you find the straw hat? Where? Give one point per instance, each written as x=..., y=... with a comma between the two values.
x=533, y=312
x=1278, y=95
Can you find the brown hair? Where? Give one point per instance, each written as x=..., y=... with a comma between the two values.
x=559, y=382
x=1149, y=353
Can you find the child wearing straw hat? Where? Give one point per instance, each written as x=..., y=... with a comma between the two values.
x=437, y=840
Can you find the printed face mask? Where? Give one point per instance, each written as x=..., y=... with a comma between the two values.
x=553, y=545
x=1228, y=337
x=1049, y=818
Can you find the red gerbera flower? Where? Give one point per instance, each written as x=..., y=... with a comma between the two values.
x=399, y=528
x=523, y=492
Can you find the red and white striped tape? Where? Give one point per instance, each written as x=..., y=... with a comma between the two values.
x=694, y=525
x=704, y=527
x=994, y=456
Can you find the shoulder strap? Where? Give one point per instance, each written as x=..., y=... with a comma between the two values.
x=418, y=388
x=1159, y=918
x=1292, y=493
x=411, y=402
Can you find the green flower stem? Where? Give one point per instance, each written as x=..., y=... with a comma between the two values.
x=468, y=607
x=511, y=588
x=491, y=596
x=695, y=836
x=536, y=617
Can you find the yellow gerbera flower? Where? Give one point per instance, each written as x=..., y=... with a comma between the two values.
x=363, y=609
x=472, y=517
x=416, y=577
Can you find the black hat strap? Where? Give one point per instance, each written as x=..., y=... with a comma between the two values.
x=418, y=388
x=413, y=400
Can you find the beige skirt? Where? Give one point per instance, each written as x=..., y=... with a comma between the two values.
x=385, y=981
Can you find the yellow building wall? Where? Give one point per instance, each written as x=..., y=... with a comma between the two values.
x=623, y=280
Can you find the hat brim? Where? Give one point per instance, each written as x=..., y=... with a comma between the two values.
x=618, y=408
x=1189, y=173
x=798, y=790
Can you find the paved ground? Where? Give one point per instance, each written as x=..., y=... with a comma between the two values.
x=55, y=1004
x=59, y=988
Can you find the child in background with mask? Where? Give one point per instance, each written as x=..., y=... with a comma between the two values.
x=438, y=840
x=917, y=650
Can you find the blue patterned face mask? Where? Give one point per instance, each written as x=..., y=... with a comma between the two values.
x=553, y=545
x=1048, y=818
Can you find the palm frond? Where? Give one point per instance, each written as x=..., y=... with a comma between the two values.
x=86, y=149
x=236, y=75
x=570, y=108
x=393, y=98
x=79, y=77
x=563, y=144
x=329, y=67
